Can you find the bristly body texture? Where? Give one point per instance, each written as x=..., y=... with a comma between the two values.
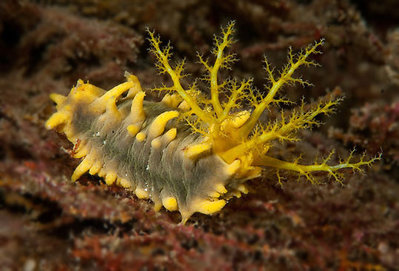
x=188, y=152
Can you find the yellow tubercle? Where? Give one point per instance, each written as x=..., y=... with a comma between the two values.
x=157, y=205
x=243, y=188
x=214, y=194
x=58, y=98
x=220, y=188
x=136, y=111
x=57, y=119
x=112, y=110
x=240, y=119
x=102, y=172
x=169, y=136
x=125, y=183
x=88, y=89
x=171, y=100
x=108, y=100
x=184, y=106
x=236, y=194
x=166, y=100
x=133, y=129
x=141, y=193
x=159, y=123
x=140, y=137
x=136, y=87
x=81, y=169
x=82, y=151
x=230, y=126
x=175, y=99
x=251, y=173
x=232, y=168
x=85, y=93
x=170, y=203
x=110, y=178
x=196, y=150
x=95, y=168
x=208, y=207
x=156, y=143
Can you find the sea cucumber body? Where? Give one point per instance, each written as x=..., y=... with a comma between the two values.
x=163, y=171
x=193, y=150
x=152, y=165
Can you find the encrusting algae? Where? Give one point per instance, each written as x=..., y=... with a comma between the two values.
x=189, y=152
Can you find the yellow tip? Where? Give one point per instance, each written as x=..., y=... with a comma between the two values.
x=83, y=167
x=156, y=143
x=185, y=215
x=208, y=207
x=56, y=119
x=141, y=193
x=140, y=137
x=175, y=100
x=194, y=151
x=158, y=124
x=241, y=119
x=88, y=94
x=112, y=110
x=89, y=89
x=170, y=203
x=221, y=189
x=137, y=112
x=110, y=178
x=236, y=194
x=95, y=168
x=243, y=189
x=169, y=136
x=57, y=98
x=101, y=173
x=136, y=87
x=133, y=129
x=125, y=183
x=214, y=194
x=233, y=167
x=82, y=151
x=184, y=106
x=166, y=99
x=171, y=100
x=117, y=91
x=157, y=205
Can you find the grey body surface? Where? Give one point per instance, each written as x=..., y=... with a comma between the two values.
x=163, y=171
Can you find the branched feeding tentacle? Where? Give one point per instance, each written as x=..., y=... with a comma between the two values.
x=284, y=130
x=163, y=56
x=222, y=61
x=237, y=93
x=286, y=77
x=307, y=170
x=235, y=133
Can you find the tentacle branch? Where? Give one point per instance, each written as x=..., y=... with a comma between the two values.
x=163, y=56
x=222, y=60
x=281, y=130
x=286, y=77
x=307, y=170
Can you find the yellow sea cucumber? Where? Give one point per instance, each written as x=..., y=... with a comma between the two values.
x=189, y=152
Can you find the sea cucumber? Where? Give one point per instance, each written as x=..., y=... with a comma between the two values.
x=189, y=152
